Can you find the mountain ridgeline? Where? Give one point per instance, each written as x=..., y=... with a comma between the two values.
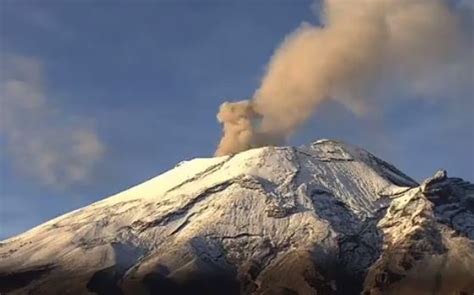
x=324, y=218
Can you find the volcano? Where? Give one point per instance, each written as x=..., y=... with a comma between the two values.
x=323, y=218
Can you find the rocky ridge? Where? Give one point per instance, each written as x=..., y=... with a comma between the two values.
x=326, y=218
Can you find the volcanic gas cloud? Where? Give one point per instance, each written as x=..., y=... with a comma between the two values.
x=362, y=49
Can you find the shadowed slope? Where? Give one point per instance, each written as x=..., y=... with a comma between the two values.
x=273, y=220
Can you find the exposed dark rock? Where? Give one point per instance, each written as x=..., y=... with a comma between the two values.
x=14, y=280
x=328, y=218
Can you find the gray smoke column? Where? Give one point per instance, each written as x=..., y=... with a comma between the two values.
x=363, y=48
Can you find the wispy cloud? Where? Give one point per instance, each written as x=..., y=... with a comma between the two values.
x=41, y=139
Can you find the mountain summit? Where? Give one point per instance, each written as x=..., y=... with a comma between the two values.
x=326, y=218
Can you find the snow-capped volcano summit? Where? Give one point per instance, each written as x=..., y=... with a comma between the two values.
x=326, y=218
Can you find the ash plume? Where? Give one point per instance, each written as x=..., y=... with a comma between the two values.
x=362, y=50
x=237, y=119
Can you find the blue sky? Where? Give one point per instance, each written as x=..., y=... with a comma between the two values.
x=146, y=78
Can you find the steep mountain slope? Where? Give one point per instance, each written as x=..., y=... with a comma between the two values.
x=327, y=218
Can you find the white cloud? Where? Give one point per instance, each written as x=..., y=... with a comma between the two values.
x=40, y=140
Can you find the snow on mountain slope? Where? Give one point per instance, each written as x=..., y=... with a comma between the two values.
x=265, y=221
x=428, y=241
